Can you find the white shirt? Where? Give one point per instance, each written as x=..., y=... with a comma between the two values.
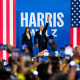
x=28, y=36
x=40, y=33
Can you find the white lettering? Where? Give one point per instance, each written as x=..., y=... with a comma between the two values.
x=60, y=23
x=24, y=19
x=54, y=19
x=40, y=17
x=50, y=18
x=54, y=32
x=32, y=20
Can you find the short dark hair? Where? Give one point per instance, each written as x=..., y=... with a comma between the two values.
x=42, y=69
x=58, y=76
x=50, y=36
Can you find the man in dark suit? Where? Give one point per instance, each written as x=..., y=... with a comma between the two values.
x=41, y=36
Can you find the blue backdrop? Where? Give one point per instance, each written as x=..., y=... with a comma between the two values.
x=58, y=9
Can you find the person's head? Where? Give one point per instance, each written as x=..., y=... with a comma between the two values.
x=41, y=28
x=74, y=51
x=27, y=31
x=58, y=76
x=55, y=64
x=78, y=50
x=44, y=70
x=50, y=36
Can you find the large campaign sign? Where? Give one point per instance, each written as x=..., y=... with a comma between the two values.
x=33, y=13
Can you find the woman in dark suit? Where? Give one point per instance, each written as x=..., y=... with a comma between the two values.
x=27, y=39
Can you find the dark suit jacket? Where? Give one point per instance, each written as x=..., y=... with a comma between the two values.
x=27, y=41
x=41, y=38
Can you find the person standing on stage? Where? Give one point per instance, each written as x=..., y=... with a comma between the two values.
x=41, y=36
x=27, y=39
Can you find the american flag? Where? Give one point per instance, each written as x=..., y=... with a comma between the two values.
x=75, y=23
x=7, y=25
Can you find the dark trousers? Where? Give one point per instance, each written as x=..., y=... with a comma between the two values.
x=42, y=47
x=31, y=51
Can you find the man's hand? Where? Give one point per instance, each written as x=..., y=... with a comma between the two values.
x=37, y=45
x=47, y=18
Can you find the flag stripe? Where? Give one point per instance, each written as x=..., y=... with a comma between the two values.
x=71, y=37
x=75, y=21
x=14, y=22
x=7, y=25
x=78, y=36
x=11, y=22
x=1, y=26
x=74, y=37
x=4, y=27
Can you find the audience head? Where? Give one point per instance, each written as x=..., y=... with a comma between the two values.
x=58, y=76
x=44, y=69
